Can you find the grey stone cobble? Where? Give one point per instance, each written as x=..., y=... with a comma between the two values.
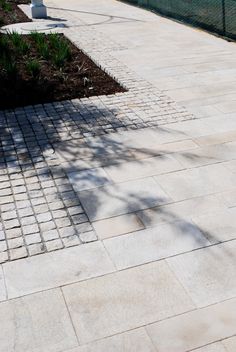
x=18, y=253
x=54, y=245
x=50, y=235
x=13, y=233
x=4, y=256
x=88, y=237
x=37, y=248
x=2, y=235
x=15, y=243
x=33, y=238
x=32, y=217
x=29, y=220
x=3, y=246
x=71, y=241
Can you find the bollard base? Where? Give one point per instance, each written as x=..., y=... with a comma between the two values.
x=38, y=11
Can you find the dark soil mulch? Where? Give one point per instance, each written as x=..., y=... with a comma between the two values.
x=15, y=15
x=79, y=77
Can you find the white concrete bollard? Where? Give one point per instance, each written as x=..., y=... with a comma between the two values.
x=38, y=9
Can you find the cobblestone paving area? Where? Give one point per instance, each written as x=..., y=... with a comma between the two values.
x=39, y=209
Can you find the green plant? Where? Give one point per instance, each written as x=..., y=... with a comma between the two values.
x=60, y=57
x=44, y=51
x=15, y=38
x=5, y=6
x=19, y=42
x=60, y=50
x=54, y=39
x=11, y=68
x=8, y=65
x=38, y=38
x=42, y=46
x=33, y=68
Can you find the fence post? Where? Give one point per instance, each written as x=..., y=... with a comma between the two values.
x=223, y=17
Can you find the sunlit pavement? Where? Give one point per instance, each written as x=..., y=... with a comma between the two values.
x=126, y=214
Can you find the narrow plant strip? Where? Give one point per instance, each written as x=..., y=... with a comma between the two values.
x=39, y=68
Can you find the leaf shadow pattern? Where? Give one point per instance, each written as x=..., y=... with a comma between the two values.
x=52, y=138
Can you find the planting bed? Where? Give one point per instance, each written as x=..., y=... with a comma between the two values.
x=39, y=68
x=10, y=13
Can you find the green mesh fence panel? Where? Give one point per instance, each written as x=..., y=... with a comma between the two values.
x=215, y=15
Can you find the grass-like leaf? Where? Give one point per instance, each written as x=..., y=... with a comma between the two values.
x=33, y=68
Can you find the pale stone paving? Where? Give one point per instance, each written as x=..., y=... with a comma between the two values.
x=161, y=200
x=39, y=209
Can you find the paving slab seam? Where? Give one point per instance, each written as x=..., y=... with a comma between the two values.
x=167, y=257
x=113, y=335
x=160, y=207
x=194, y=197
x=151, y=339
x=110, y=273
x=179, y=281
x=178, y=336
x=145, y=326
x=171, y=256
x=192, y=310
x=5, y=285
x=212, y=343
x=69, y=314
x=111, y=259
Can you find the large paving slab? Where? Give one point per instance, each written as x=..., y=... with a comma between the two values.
x=143, y=168
x=149, y=139
x=218, y=227
x=184, y=210
x=197, y=182
x=122, y=198
x=217, y=138
x=208, y=155
x=155, y=243
x=134, y=340
x=36, y=323
x=208, y=275
x=124, y=300
x=195, y=329
x=117, y=225
x=56, y=269
x=213, y=125
x=88, y=179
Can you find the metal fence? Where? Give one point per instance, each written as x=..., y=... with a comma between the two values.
x=217, y=16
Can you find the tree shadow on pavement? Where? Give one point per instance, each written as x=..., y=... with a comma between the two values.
x=52, y=138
